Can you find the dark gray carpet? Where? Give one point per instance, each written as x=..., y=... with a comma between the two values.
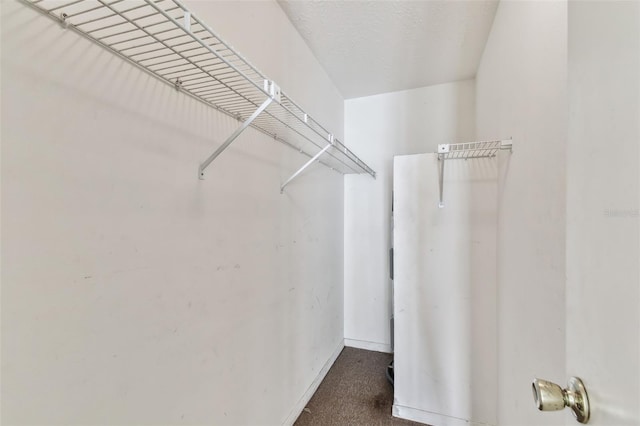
x=354, y=392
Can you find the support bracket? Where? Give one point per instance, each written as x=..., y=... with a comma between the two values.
x=441, y=179
x=307, y=164
x=274, y=95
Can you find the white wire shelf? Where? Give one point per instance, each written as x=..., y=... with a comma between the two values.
x=166, y=40
x=467, y=151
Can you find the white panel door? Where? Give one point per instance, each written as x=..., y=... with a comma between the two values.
x=603, y=216
x=445, y=291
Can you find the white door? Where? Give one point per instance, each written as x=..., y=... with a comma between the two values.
x=603, y=217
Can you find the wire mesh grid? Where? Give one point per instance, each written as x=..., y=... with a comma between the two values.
x=165, y=39
x=463, y=151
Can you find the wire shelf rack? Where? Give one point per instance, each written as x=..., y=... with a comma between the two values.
x=166, y=40
x=467, y=151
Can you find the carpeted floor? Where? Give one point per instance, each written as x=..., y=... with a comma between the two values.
x=354, y=392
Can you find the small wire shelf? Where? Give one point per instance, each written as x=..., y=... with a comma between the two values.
x=467, y=151
x=166, y=40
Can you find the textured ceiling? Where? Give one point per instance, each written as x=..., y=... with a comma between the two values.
x=371, y=47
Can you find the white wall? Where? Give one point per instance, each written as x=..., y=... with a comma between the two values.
x=377, y=128
x=445, y=291
x=132, y=292
x=603, y=208
x=521, y=92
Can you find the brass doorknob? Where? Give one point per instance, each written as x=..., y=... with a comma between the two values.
x=549, y=396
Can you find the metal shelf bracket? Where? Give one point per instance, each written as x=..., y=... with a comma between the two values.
x=313, y=159
x=441, y=177
x=273, y=90
x=239, y=130
x=467, y=151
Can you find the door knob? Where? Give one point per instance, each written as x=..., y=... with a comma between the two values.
x=551, y=397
